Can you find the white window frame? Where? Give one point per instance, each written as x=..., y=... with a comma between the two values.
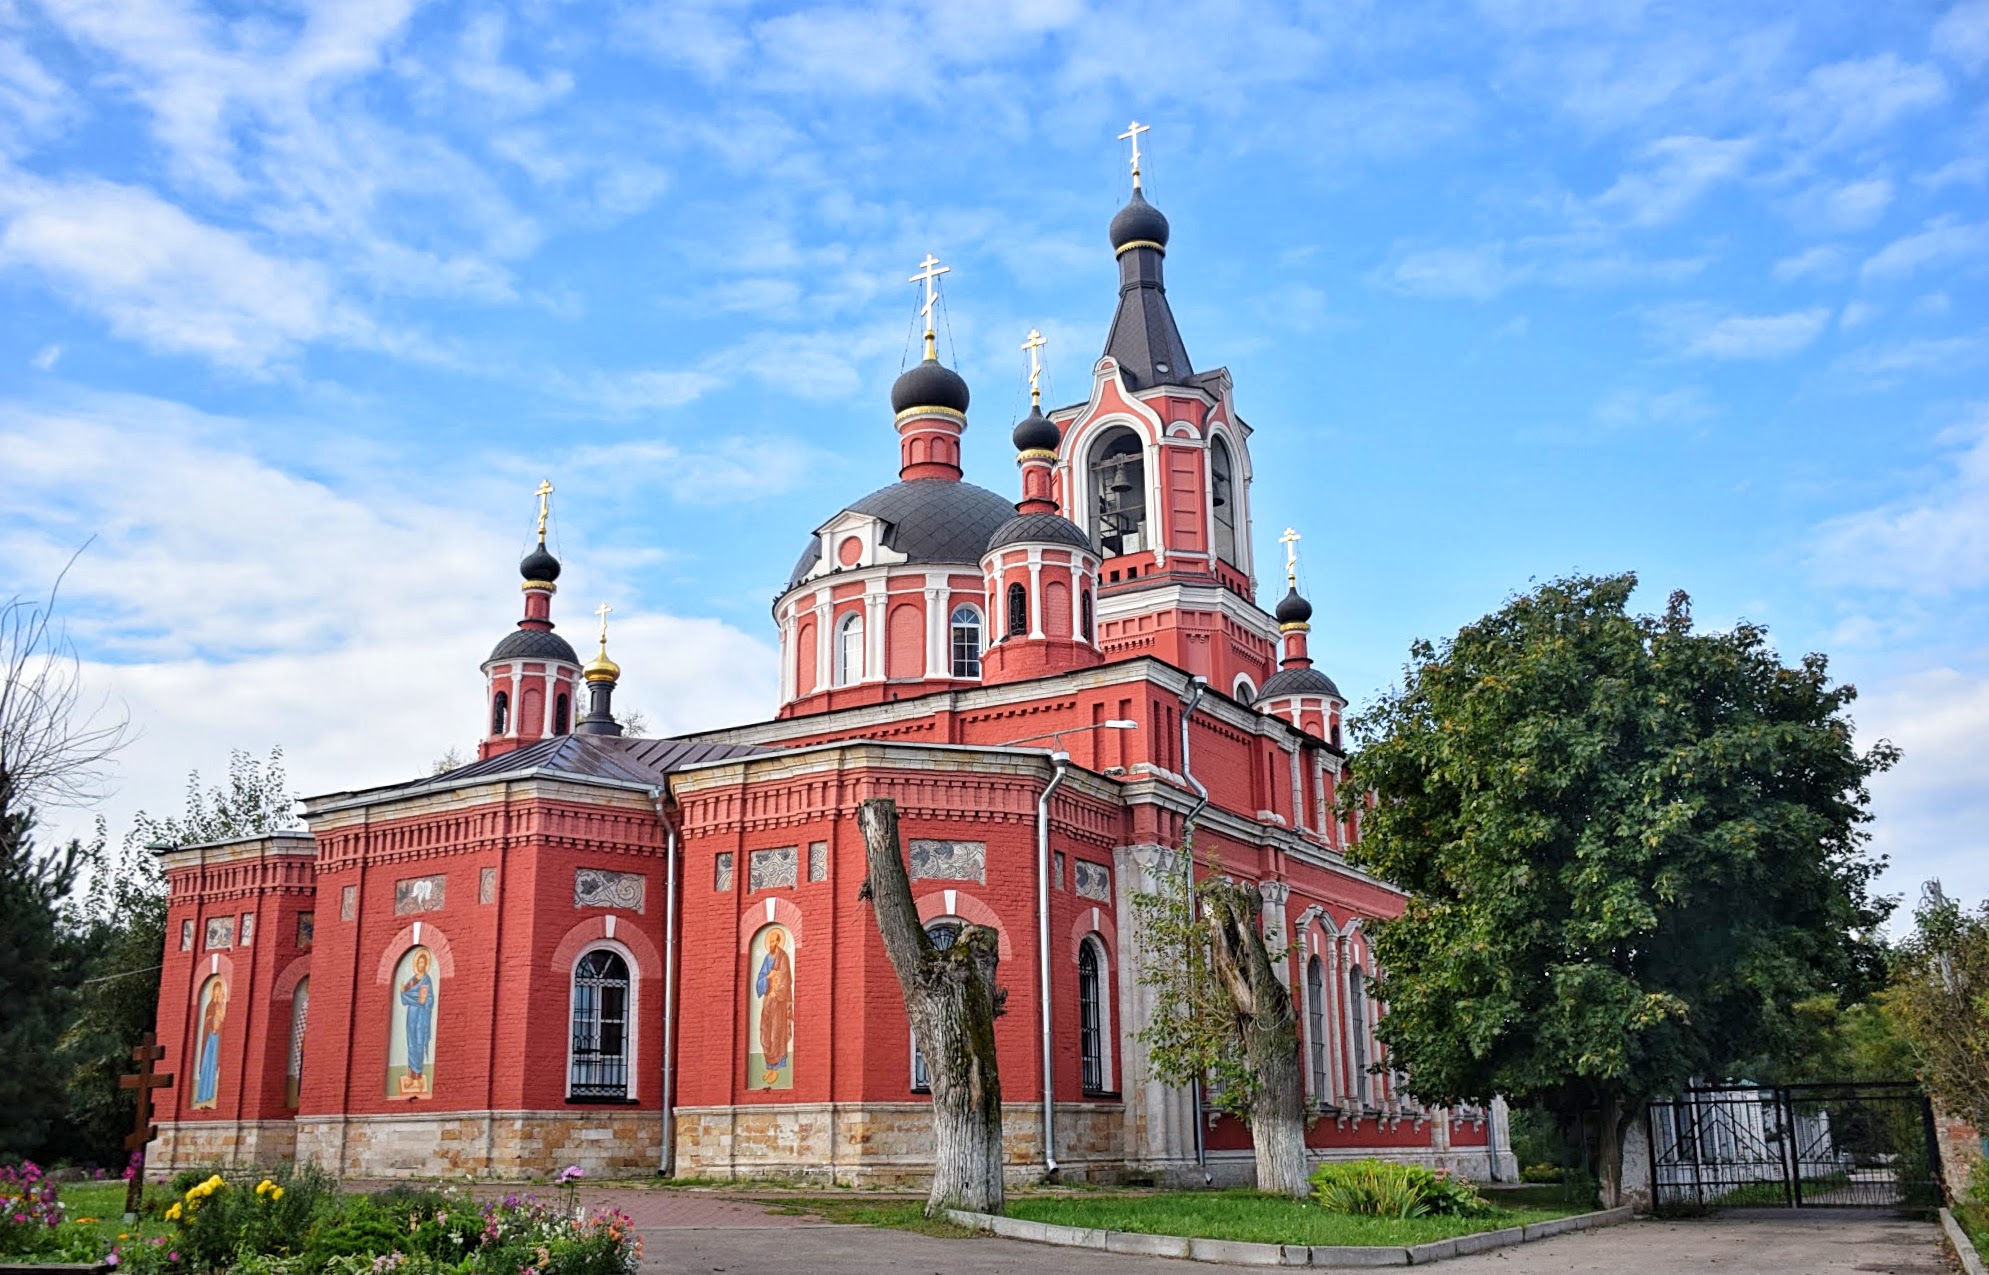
x=1099, y=953
x=849, y=633
x=631, y=1034
x=953, y=623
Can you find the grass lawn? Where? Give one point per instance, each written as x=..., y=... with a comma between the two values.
x=1246, y=1215
x=897, y=1215
x=104, y=1203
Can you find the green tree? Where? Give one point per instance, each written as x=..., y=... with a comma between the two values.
x=1940, y=999
x=1630, y=850
x=36, y=973
x=1835, y=1041
x=1221, y=1015
x=119, y=919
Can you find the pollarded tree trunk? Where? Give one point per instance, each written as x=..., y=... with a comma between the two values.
x=1269, y=1027
x=952, y=1000
x=1609, y=1151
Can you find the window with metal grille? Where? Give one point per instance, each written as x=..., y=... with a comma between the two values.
x=1018, y=610
x=1357, y=998
x=562, y=714
x=943, y=935
x=1089, y=636
x=965, y=629
x=500, y=713
x=1315, y=1023
x=1090, y=1039
x=599, y=1066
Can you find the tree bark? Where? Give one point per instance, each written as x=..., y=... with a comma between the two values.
x=1609, y=1150
x=952, y=1001
x=1268, y=1024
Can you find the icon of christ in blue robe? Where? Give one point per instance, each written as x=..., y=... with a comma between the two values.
x=418, y=995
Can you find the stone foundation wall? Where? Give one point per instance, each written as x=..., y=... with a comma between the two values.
x=606, y=1142
x=885, y=1144
x=1961, y=1150
x=200, y=1144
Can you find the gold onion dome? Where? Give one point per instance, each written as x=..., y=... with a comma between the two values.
x=601, y=668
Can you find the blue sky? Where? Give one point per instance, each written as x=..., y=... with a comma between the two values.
x=297, y=304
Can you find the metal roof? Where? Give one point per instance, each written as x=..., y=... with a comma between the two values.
x=928, y=520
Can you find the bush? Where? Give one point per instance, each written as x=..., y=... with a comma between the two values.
x=1972, y=1208
x=29, y=1210
x=1382, y=1188
x=1540, y=1173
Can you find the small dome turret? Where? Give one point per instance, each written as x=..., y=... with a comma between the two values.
x=930, y=384
x=539, y=564
x=1040, y=529
x=1138, y=223
x=1294, y=609
x=1036, y=432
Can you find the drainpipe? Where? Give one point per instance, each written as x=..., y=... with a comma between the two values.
x=667, y=1167
x=1061, y=760
x=1198, y=686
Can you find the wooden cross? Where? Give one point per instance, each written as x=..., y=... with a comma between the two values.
x=1290, y=541
x=1033, y=344
x=545, y=490
x=147, y=1052
x=1132, y=134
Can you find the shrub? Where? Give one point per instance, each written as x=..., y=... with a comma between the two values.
x=1382, y=1188
x=29, y=1210
x=1540, y=1173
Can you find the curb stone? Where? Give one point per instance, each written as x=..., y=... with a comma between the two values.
x=1971, y=1261
x=1245, y=1253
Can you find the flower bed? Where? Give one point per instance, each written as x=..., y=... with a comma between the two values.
x=289, y=1221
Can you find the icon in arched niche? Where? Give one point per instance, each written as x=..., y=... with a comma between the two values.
x=411, y=1042
x=770, y=1011
x=213, y=1003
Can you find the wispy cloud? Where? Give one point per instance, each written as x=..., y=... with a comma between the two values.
x=1934, y=541
x=1945, y=241
x=1962, y=34
x=1700, y=331
x=1676, y=173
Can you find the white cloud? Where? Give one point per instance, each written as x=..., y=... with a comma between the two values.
x=1852, y=101
x=1856, y=314
x=1484, y=271
x=1698, y=331
x=1822, y=261
x=1962, y=34
x=1845, y=206
x=480, y=67
x=1885, y=364
x=46, y=358
x=1678, y=172
x=1639, y=408
x=1933, y=542
x=1932, y=810
x=1944, y=241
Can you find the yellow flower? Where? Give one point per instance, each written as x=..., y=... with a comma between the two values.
x=173, y=1213
x=275, y=1193
x=85, y=1221
x=265, y=1186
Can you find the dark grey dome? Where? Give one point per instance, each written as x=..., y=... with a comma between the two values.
x=1294, y=609
x=539, y=565
x=930, y=384
x=533, y=644
x=1039, y=529
x=1298, y=681
x=928, y=520
x=1036, y=432
x=1138, y=220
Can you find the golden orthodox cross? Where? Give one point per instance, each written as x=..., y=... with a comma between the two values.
x=1132, y=134
x=929, y=272
x=1033, y=344
x=1290, y=541
x=545, y=490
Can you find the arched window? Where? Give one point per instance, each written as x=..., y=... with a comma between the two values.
x=1118, y=484
x=1084, y=616
x=1245, y=693
x=562, y=714
x=944, y=933
x=599, y=1062
x=500, y=713
x=293, y=1074
x=1357, y=1001
x=964, y=629
x=849, y=650
x=1222, y=486
x=1018, y=610
x=1090, y=1020
x=1315, y=1024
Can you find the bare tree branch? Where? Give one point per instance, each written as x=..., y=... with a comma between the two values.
x=54, y=746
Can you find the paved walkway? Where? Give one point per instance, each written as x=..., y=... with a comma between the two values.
x=694, y=1233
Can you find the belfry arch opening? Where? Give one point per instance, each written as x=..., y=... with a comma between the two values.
x=1222, y=495
x=1118, y=485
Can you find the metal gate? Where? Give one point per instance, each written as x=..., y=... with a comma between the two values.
x=1864, y=1145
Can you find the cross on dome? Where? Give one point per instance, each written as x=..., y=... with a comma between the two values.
x=1032, y=345
x=603, y=611
x=545, y=489
x=1290, y=541
x=928, y=274
x=1132, y=134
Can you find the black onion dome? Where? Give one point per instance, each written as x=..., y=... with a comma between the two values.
x=1137, y=221
x=1298, y=681
x=1294, y=609
x=539, y=565
x=1039, y=529
x=533, y=644
x=927, y=520
x=930, y=384
x=1036, y=432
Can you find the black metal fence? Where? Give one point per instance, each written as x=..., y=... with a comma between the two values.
x=1863, y=1145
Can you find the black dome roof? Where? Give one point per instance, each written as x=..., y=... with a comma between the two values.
x=1294, y=609
x=533, y=644
x=1298, y=681
x=930, y=384
x=1036, y=432
x=931, y=520
x=539, y=565
x=1136, y=221
x=1039, y=529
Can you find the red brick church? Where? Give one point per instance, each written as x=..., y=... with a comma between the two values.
x=644, y=955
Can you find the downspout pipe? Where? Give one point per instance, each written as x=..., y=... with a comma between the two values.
x=1061, y=760
x=1198, y=686
x=667, y=1166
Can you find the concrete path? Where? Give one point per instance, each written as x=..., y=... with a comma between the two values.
x=698, y=1234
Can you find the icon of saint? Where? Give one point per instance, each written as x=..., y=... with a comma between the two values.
x=207, y=1076
x=775, y=987
x=418, y=997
